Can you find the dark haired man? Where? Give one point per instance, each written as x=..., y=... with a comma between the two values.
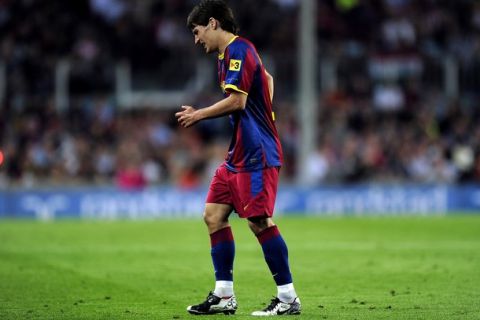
x=247, y=181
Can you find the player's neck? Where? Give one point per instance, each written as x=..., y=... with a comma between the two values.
x=225, y=39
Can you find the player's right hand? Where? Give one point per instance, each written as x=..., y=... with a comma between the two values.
x=187, y=117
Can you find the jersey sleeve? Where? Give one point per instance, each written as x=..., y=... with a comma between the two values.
x=240, y=70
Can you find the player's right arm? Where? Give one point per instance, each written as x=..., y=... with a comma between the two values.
x=234, y=102
x=270, y=84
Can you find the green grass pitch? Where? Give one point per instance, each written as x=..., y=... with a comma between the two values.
x=343, y=268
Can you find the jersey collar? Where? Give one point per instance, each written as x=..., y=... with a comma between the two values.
x=222, y=55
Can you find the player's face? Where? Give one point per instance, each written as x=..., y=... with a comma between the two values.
x=204, y=36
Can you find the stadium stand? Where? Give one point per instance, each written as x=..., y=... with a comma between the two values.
x=390, y=116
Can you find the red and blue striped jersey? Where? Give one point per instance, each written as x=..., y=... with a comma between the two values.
x=255, y=143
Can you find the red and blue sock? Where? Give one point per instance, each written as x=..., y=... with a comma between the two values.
x=276, y=255
x=223, y=253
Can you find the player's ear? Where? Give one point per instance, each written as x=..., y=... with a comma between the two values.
x=213, y=23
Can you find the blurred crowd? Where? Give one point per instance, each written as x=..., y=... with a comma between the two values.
x=388, y=113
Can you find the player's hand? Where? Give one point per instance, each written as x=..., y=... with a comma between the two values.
x=187, y=117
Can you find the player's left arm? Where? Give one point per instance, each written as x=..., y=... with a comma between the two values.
x=190, y=115
x=270, y=84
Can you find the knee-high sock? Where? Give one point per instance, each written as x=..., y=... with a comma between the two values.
x=223, y=253
x=276, y=255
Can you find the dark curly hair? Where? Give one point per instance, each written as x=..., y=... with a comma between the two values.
x=216, y=9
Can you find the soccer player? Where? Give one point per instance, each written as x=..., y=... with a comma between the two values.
x=247, y=181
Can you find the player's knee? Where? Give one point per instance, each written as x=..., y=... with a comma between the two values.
x=208, y=218
x=212, y=221
x=258, y=224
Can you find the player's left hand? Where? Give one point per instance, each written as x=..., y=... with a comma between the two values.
x=187, y=117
